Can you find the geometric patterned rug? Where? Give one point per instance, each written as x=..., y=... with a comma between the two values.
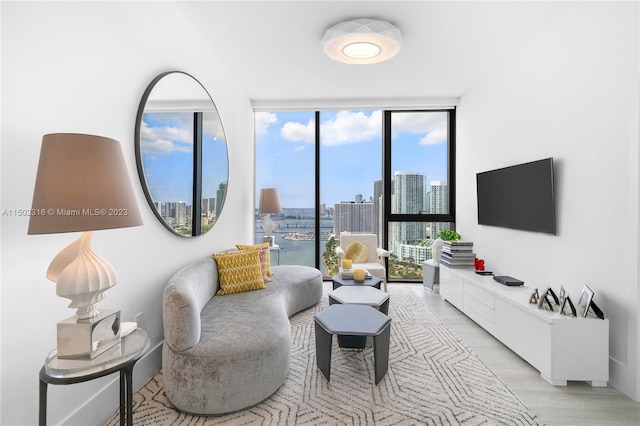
x=433, y=379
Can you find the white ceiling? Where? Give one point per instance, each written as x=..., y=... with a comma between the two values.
x=274, y=49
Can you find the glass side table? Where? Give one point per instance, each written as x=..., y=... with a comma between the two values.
x=121, y=358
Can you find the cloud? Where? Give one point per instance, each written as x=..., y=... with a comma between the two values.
x=298, y=132
x=351, y=127
x=347, y=127
x=262, y=122
x=213, y=125
x=434, y=137
x=164, y=140
x=432, y=125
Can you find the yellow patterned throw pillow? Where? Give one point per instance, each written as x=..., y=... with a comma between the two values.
x=239, y=271
x=357, y=252
x=267, y=254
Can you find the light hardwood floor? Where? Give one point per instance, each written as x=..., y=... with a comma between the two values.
x=576, y=404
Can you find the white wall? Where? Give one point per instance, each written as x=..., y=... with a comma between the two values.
x=571, y=92
x=83, y=67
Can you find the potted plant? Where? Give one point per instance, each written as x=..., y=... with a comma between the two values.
x=448, y=235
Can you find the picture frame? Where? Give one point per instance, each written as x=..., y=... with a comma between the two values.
x=567, y=301
x=542, y=299
x=585, y=301
x=551, y=293
x=562, y=295
x=534, y=297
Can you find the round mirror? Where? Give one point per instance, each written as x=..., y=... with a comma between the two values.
x=181, y=153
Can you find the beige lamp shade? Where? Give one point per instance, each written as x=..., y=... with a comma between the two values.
x=82, y=185
x=269, y=201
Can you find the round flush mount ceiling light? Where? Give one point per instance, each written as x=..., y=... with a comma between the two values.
x=362, y=41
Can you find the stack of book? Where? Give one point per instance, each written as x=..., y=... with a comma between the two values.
x=458, y=254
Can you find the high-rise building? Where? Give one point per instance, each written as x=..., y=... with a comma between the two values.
x=438, y=203
x=353, y=217
x=410, y=197
x=220, y=194
x=176, y=210
x=208, y=207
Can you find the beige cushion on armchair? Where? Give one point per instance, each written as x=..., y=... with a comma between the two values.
x=374, y=262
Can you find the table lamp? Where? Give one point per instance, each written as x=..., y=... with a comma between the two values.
x=82, y=185
x=269, y=203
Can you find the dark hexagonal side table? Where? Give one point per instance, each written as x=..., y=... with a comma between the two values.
x=354, y=320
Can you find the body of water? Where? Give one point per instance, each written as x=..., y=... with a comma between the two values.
x=292, y=226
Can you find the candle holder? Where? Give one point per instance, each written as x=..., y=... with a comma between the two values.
x=358, y=275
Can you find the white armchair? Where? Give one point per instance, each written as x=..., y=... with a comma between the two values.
x=374, y=261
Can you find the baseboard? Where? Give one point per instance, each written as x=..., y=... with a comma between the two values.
x=104, y=403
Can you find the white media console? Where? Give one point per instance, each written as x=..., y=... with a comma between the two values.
x=561, y=347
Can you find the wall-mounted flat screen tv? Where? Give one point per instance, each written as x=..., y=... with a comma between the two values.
x=518, y=197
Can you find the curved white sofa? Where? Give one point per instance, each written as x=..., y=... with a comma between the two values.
x=226, y=353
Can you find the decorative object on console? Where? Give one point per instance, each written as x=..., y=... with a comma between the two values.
x=269, y=203
x=478, y=264
x=436, y=250
x=534, y=296
x=362, y=41
x=507, y=280
x=567, y=301
x=448, y=235
x=544, y=299
x=82, y=184
x=458, y=254
x=541, y=300
x=551, y=293
x=562, y=295
x=585, y=300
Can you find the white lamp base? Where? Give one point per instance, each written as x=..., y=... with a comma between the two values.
x=82, y=276
x=267, y=225
x=88, y=338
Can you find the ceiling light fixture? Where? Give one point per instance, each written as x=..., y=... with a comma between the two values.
x=362, y=41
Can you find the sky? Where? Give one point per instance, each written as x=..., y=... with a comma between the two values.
x=350, y=152
x=166, y=145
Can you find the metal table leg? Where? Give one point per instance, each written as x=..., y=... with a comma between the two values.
x=381, y=352
x=42, y=417
x=323, y=350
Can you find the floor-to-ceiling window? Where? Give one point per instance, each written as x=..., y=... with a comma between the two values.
x=419, y=186
x=286, y=160
x=364, y=171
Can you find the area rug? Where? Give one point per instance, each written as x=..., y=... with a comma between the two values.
x=433, y=379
